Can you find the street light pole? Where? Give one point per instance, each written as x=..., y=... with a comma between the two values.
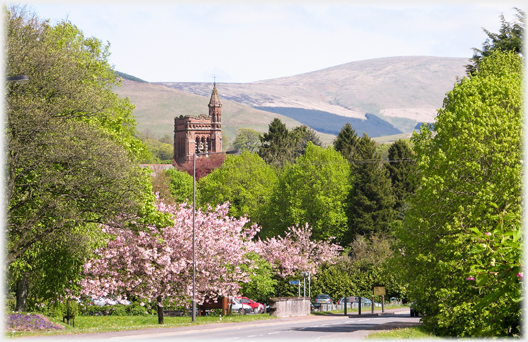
x=193, y=242
x=194, y=228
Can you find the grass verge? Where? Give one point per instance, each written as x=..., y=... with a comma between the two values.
x=403, y=333
x=97, y=324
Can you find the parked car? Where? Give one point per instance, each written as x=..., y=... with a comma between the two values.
x=256, y=307
x=322, y=299
x=241, y=308
x=414, y=311
x=102, y=301
x=352, y=302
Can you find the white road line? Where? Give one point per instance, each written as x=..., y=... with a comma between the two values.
x=276, y=332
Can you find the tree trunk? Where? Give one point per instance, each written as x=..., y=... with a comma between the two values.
x=160, y=311
x=22, y=293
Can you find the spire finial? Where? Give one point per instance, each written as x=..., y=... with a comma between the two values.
x=214, y=78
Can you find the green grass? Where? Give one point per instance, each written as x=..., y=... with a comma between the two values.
x=404, y=333
x=97, y=324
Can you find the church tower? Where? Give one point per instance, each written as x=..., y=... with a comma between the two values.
x=200, y=134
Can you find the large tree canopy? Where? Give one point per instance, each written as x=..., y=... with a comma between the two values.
x=71, y=151
x=313, y=190
x=460, y=238
x=245, y=181
x=370, y=202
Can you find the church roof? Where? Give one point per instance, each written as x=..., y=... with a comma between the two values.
x=215, y=101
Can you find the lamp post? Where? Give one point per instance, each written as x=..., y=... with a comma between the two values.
x=200, y=148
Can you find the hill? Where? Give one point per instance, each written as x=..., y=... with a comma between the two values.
x=158, y=105
x=403, y=91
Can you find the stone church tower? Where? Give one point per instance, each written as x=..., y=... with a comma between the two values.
x=200, y=134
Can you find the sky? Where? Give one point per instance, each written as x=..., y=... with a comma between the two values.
x=251, y=41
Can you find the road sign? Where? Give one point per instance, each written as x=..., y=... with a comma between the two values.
x=378, y=290
x=294, y=282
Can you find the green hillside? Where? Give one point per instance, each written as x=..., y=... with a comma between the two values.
x=158, y=105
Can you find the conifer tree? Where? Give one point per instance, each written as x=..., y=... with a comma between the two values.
x=275, y=144
x=402, y=172
x=346, y=142
x=371, y=202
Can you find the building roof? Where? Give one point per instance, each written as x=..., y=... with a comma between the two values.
x=215, y=101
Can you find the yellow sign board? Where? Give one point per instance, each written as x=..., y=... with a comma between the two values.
x=379, y=290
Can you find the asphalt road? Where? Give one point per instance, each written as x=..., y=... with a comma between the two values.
x=305, y=328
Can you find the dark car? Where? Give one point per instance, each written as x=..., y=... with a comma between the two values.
x=322, y=299
x=414, y=311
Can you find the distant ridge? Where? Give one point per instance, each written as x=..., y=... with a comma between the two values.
x=129, y=77
x=332, y=124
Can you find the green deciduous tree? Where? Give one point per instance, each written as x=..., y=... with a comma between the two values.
x=470, y=176
x=312, y=190
x=245, y=181
x=71, y=147
x=370, y=202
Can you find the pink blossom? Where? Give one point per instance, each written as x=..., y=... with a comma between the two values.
x=470, y=278
x=520, y=275
x=488, y=234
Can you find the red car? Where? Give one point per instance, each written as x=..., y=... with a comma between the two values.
x=257, y=307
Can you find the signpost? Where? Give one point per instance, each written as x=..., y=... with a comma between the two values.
x=296, y=282
x=379, y=291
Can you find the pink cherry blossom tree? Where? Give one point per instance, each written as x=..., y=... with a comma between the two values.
x=295, y=252
x=157, y=263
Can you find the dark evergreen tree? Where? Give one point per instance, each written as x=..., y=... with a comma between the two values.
x=275, y=146
x=509, y=38
x=346, y=142
x=402, y=172
x=371, y=202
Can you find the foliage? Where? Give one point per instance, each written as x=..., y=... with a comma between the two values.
x=71, y=147
x=52, y=267
x=402, y=172
x=29, y=322
x=296, y=252
x=346, y=142
x=470, y=174
x=173, y=186
x=134, y=309
x=335, y=281
x=160, y=151
x=245, y=181
x=262, y=283
x=247, y=140
x=304, y=134
x=277, y=145
x=313, y=190
x=366, y=263
x=157, y=263
x=370, y=202
x=509, y=38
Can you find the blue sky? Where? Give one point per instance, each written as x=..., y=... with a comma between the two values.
x=239, y=42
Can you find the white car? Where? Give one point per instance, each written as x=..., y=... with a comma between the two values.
x=241, y=308
x=102, y=301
